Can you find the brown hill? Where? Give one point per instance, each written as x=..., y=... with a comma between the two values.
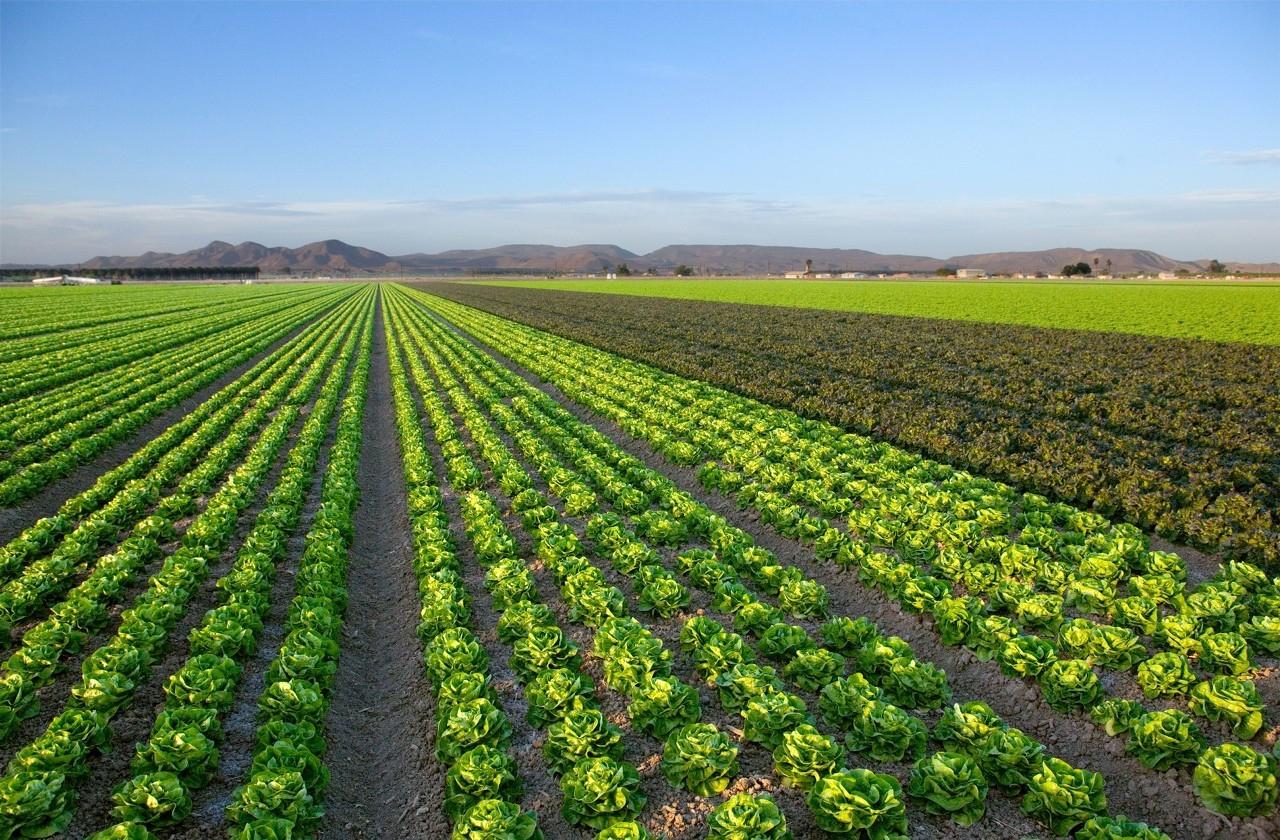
x=1123, y=261
x=332, y=256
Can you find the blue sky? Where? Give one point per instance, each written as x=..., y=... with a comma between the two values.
x=937, y=128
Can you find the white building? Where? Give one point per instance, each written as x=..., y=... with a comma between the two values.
x=65, y=280
x=853, y=275
x=1167, y=275
x=970, y=273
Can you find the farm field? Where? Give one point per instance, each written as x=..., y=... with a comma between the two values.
x=1212, y=311
x=375, y=561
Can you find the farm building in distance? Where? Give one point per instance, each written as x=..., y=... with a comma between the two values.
x=970, y=273
x=65, y=280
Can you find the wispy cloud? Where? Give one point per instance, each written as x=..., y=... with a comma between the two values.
x=1227, y=223
x=1258, y=157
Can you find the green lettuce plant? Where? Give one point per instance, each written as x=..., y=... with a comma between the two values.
x=744, y=681
x=1070, y=683
x=1226, y=653
x=554, y=693
x=1162, y=739
x=662, y=705
x=699, y=758
x=813, y=669
x=746, y=817
x=155, y=799
x=886, y=733
x=1236, y=780
x=494, y=819
x=1118, y=828
x=627, y=830
x=1166, y=674
x=846, y=635
x=481, y=773
x=1117, y=716
x=1026, y=656
x=468, y=725
x=1230, y=699
x=601, y=791
x=914, y=684
x=806, y=755
x=1008, y=757
x=950, y=783
x=840, y=702
x=584, y=733
x=963, y=727
x=1063, y=797
x=860, y=803
x=771, y=714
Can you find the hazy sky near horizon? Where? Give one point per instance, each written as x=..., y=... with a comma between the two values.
x=932, y=128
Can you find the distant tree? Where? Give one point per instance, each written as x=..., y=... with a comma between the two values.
x=1216, y=267
x=1108, y=265
x=623, y=270
x=945, y=272
x=683, y=270
x=1081, y=268
x=651, y=272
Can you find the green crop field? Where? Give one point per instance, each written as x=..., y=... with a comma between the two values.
x=1218, y=312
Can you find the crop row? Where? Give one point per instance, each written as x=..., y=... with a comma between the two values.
x=1160, y=737
x=775, y=718
x=43, y=458
x=93, y=517
x=1176, y=436
x=38, y=791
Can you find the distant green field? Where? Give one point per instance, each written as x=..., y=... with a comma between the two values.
x=1219, y=312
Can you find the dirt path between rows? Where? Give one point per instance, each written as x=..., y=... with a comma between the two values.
x=384, y=781
x=1164, y=799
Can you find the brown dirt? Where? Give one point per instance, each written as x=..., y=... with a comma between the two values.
x=384, y=781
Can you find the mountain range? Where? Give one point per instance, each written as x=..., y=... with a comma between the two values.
x=332, y=256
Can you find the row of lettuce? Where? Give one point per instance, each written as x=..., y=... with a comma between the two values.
x=1173, y=436
x=181, y=755
x=62, y=408
x=1232, y=778
x=842, y=801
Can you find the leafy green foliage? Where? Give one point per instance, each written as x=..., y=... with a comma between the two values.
x=1064, y=797
x=1118, y=828
x=813, y=669
x=584, y=733
x=600, y=791
x=1069, y=683
x=494, y=819
x=746, y=817
x=806, y=755
x=886, y=733
x=950, y=783
x=480, y=773
x=662, y=705
x=1166, y=674
x=699, y=758
x=1229, y=699
x=1236, y=780
x=771, y=714
x=156, y=799
x=1162, y=739
x=859, y=802
x=1008, y=757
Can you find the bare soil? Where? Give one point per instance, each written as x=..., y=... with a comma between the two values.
x=384, y=780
